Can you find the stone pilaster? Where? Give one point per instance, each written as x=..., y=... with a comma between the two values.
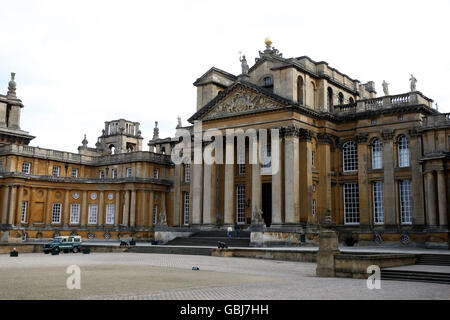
x=197, y=202
x=431, y=191
x=101, y=209
x=150, y=209
x=5, y=204
x=117, y=209
x=208, y=193
x=12, y=206
x=66, y=208
x=126, y=214
x=442, y=199
x=363, y=181
x=84, y=209
x=177, y=197
x=19, y=205
x=323, y=162
x=389, y=182
x=417, y=196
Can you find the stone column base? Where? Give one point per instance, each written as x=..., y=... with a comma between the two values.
x=328, y=248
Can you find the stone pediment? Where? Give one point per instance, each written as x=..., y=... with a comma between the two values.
x=240, y=101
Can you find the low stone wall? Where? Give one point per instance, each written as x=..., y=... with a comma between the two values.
x=166, y=236
x=6, y=248
x=355, y=265
x=280, y=254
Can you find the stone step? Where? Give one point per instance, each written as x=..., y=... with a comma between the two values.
x=172, y=250
x=419, y=276
x=434, y=259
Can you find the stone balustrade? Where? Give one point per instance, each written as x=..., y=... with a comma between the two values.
x=406, y=99
x=69, y=157
x=436, y=121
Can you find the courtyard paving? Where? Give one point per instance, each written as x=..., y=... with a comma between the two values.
x=162, y=276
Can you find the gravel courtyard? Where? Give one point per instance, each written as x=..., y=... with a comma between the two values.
x=163, y=276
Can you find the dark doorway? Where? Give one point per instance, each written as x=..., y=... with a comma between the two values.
x=267, y=203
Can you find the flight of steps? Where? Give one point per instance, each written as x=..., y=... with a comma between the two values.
x=211, y=238
x=421, y=276
x=434, y=259
x=198, y=251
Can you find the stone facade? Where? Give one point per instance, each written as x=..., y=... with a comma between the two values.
x=379, y=166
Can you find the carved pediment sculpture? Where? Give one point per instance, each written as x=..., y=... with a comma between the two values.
x=242, y=101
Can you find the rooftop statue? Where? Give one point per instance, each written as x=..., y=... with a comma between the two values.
x=385, y=88
x=413, y=82
x=244, y=64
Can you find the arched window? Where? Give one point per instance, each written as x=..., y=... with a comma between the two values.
x=341, y=98
x=330, y=99
x=350, y=100
x=403, y=152
x=350, y=156
x=300, y=90
x=267, y=82
x=112, y=149
x=377, y=154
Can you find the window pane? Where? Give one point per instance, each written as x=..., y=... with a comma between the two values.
x=240, y=203
x=377, y=155
x=403, y=152
x=92, y=217
x=351, y=203
x=56, y=213
x=186, y=208
x=405, y=201
x=75, y=213
x=378, y=211
x=110, y=208
x=350, y=156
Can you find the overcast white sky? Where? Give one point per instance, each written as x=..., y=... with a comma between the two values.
x=80, y=63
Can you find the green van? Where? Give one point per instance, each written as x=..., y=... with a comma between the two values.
x=64, y=243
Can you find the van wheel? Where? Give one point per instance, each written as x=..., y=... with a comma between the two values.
x=75, y=250
x=56, y=249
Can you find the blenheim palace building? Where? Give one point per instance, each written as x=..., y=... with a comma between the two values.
x=379, y=166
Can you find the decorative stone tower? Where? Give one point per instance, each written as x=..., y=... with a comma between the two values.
x=10, y=109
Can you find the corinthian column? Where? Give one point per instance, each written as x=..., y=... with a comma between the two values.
x=291, y=175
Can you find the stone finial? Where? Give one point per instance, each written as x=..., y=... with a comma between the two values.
x=179, y=125
x=412, y=82
x=84, y=142
x=437, y=108
x=385, y=88
x=12, y=87
x=156, y=131
x=268, y=42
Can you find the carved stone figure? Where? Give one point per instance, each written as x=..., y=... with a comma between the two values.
x=244, y=64
x=162, y=218
x=257, y=216
x=413, y=82
x=385, y=88
x=179, y=125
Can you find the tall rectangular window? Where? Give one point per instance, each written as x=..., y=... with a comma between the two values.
x=377, y=155
x=74, y=173
x=156, y=174
x=186, y=208
x=92, y=216
x=405, y=201
x=1, y=166
x=114, y=173
x=155, y=214
x=351, y=203
x=74, y=213
x=129, y=172
x=241, y=162
x=313, y=158
x=110, y=208
x=23, y=218
x=26, y=167
x=378, y=210
x=101, y=174
x=314, y=207
x=240, y=203
x=187, y=172
x=56, y=213
x=56, y=171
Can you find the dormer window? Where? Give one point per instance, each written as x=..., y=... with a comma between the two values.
x=267, y=81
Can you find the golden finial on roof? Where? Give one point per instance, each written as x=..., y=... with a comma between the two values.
x=268, y=42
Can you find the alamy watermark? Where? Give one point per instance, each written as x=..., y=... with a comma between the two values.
x=74, y=280
x=374, y=280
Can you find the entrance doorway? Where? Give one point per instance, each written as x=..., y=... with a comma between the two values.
x=267, y=203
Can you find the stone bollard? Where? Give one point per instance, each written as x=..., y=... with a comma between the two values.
x=328, y=248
